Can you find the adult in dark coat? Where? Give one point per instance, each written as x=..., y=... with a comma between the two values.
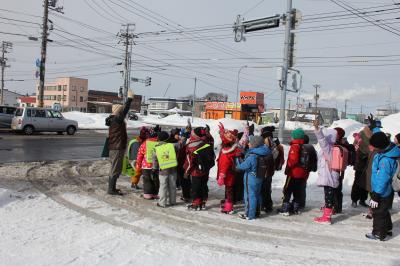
x=117, y=141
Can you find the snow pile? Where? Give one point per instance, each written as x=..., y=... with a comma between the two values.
x=391, y=124
x=96, y=121
x=349, y=125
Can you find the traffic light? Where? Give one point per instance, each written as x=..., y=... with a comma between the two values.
x=148, y=81
x=120, y=94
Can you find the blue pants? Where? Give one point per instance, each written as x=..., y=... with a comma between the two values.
x=252, y=194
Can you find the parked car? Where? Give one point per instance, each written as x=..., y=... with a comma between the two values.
x=132, y=116
x=32, y=119
x=6, y=116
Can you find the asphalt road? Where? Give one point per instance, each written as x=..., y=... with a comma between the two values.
x=85, y=144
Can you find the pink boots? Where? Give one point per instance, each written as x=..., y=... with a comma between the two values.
x=325, y=218
x=227, y=207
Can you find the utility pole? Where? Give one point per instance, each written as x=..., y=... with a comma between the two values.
x=316, y=97
x=43, y=51
x=194, y=97
x=48, y=4
x=3, y=62
x=345, y=108
x=285, y=68
x=126, y=38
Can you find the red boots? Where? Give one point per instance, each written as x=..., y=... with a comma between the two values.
x=227, y=207
x=325, y=218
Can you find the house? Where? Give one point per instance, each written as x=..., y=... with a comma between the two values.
x=27, y=101
x=162, y=105
x=102, y=101
x=10, y=98
x=69, y=92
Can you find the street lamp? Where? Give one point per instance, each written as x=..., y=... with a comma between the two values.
x=237, y=85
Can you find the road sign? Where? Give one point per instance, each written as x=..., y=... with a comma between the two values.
x=37, y=74
x=37, y=62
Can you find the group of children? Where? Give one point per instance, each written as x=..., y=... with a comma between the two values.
x=246, y=163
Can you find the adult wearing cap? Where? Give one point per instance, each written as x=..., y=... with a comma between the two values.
x=384, y=166
x=117, y=141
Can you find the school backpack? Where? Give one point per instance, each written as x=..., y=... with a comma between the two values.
x=265, y=166
x=396, y=177
x=340, y=157
x=308, y=158
x=204, y=157
x=166, y=156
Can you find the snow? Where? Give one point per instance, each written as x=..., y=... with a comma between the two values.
x=391, y=124
x=58, y=213
x=96, y=121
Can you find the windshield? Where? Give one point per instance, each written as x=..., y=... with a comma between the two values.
x=55, y=114
x=19, y=112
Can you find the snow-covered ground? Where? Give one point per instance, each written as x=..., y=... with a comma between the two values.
x=58, y=213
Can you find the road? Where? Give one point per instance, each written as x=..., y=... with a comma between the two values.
x=85, y=144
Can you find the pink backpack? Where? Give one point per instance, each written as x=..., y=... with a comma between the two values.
x=340, y=158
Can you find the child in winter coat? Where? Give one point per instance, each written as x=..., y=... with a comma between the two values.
x=226, y=161
x=165, y=162
x=278, y=156
x=252, y=182
x=133, y=150
x=384, y=166
x=199, y=176
x=327, y=178
x=297, y=175
x=144, y=164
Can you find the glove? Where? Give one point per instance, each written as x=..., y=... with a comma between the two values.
x=186, y=175
x=208, y=128
x=373, y=204
x=371, y=122
x=130, y=94
x=221, y=181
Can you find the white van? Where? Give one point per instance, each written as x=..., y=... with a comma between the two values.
x=32, y=119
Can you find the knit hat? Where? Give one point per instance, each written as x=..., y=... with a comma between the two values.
x=116, y=108
x=298, y=134
x=229, y=136
x=267, y=134
x=144, y=133
x=199, y=131
x=256, y=141
x=379, y=140
x=162, y=136
x=340, y=132
x=267, y=129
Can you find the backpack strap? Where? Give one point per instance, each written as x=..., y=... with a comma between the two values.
x=201, y=148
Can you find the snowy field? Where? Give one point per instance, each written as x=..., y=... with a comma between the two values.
x=58, y=213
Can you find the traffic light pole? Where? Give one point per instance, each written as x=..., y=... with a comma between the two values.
x=285, y=69
x=43, y=52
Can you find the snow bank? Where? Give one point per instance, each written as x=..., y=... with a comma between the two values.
x=391, y=124
x=349, y=125
x=96, y=121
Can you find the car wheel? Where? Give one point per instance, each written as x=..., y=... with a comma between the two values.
x=71, y=130
x=28, y=130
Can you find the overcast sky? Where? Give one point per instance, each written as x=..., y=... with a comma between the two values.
x=182, y=39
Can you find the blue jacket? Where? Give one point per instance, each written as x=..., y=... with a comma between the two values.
x=249, y=165
x=383, y=168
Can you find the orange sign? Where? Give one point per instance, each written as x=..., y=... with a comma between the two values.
x=249, y=97
x=223, y=106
